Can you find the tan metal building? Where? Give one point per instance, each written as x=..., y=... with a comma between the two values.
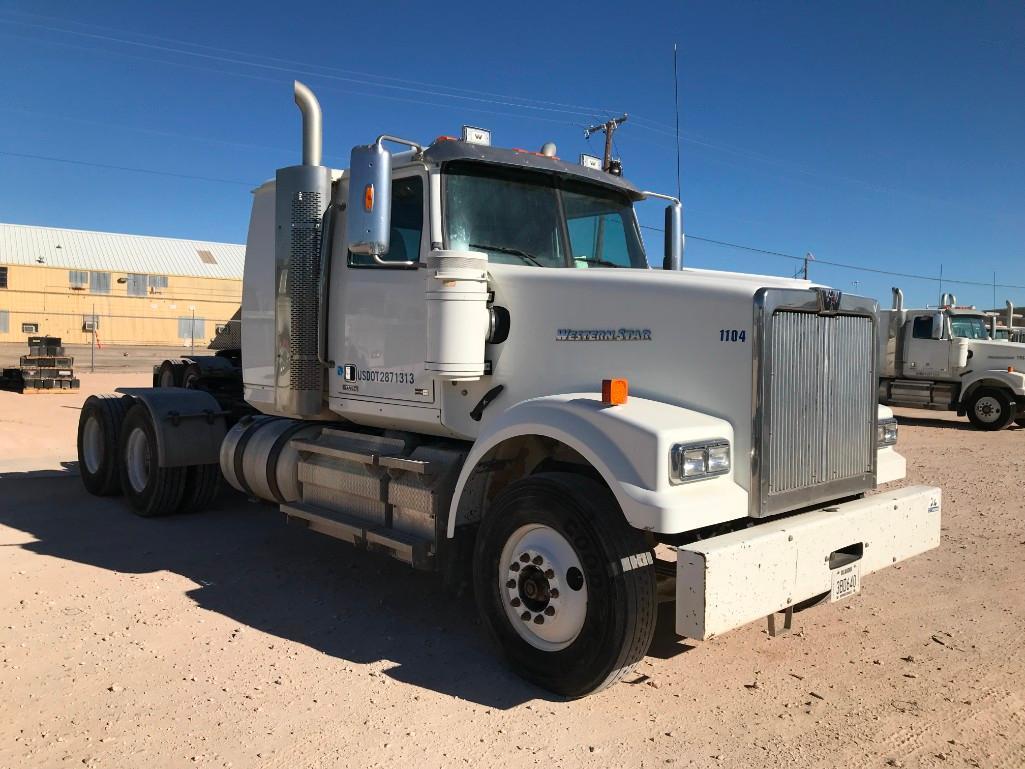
x=127, y=289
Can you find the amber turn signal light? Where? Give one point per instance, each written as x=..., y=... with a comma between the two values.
x=368, y=197
x=614, y=391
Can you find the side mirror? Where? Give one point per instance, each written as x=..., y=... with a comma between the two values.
x=937, y=325
x=673, y=250
x=368, y=225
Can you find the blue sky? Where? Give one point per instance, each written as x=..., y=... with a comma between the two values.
x=885, y=135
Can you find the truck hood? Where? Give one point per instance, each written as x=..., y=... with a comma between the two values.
x=684, y=338
x=991, y=354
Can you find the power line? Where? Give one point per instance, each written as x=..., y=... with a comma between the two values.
x=127, y=168
x=842, y=265
x=583, y=109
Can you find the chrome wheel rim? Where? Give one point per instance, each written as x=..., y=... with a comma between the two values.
x=92, y=445
x=987, y=408
x=542, y=586
x=138, y=459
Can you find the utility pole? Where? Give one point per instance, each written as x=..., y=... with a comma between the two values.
x=92, y=344
x=808, y=257
x=609, y=127
x=193, y=334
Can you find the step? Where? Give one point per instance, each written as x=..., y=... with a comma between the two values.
x=403, y=547
x=343, y=444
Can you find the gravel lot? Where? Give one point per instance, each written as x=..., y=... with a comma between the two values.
x=229, y=639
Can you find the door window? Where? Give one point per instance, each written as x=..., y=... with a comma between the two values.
x=407, y=224
x=923, y=327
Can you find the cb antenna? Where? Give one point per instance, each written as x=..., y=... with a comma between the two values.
x=676, y=97
x=609, y=127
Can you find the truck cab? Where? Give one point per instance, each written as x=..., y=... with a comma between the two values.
x=945, y=358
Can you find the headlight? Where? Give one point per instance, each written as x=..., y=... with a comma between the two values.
x=694, y=461
x=886, y=432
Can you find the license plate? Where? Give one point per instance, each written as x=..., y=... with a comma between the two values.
x=846, y=581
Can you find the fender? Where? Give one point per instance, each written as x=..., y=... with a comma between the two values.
x=189, y=424
x=1012, y=380
x=629, y=446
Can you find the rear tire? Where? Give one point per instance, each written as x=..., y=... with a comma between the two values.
x=151, y=490
x=588, y=583
x=202, y=482
x=99, y=426
x=990, y=409
x=171, y=373
x=191, y=376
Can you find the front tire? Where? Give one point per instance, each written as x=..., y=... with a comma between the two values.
x=151, y=490
x=990, y=409
x=564, y=585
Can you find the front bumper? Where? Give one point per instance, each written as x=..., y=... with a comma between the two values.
x=730, y=580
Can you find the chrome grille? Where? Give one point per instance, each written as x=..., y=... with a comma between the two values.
x=818, y=439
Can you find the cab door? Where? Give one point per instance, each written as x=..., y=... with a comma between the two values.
x=377, y=336
x=926, y=358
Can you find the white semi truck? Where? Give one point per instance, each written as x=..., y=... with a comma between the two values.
x=944, y=358
x=458, y=355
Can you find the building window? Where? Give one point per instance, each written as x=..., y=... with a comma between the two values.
x=157, y=281
x=3, y=277
x=191, y=328
x=78, y=279
x=99, y=282
x=30, y=328
x=5, y=321
x=136, y=284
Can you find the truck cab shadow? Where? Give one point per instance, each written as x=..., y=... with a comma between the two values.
x=286, y=581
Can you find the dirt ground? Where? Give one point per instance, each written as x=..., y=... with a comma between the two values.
x=228, y=639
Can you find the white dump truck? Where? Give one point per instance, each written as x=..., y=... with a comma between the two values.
x=944, y=358
x=458, y=355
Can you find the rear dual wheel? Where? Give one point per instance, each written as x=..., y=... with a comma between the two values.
x=99, y=426
x=152, y=490
x=564, y=585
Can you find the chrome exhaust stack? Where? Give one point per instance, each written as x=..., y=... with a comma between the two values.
x=302, y=195
x=898, y=298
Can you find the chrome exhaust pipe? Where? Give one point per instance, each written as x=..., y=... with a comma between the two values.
x=1010, y=315
x=898, y=298
x=313, y=134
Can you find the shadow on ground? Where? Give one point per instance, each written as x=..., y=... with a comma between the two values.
x=286, y=581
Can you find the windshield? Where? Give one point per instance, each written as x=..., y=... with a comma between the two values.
x=967, y=327
x=530, y=218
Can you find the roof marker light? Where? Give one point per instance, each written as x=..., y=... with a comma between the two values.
x=481, y=136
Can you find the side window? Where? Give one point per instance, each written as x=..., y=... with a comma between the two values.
x=78, y=279
x=3, y=277
x=407, y=224
x=136, y=284
x=923, y=327
x=99, y=282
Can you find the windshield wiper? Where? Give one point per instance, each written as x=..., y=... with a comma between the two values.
x=595, y=260
x=506, y=250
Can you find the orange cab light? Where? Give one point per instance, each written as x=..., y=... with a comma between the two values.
x=1010, y=369
x=368, y=197
x=445, y=139
x=614, y=391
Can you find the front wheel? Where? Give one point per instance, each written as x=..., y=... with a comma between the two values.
x=564, y=585
x=990, y=409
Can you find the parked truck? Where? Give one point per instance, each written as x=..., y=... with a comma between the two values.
x=457, y=355
x=944, y=358
x=1003, y=326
